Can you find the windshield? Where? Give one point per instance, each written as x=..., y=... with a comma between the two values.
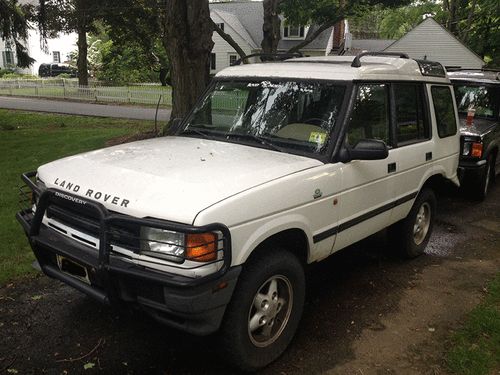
x=484, y=99
x=278, y=115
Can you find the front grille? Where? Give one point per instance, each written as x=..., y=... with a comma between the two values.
x=86, y=220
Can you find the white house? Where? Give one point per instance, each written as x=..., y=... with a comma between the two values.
x=243, y=20
x=429, y=40
x=57, y=49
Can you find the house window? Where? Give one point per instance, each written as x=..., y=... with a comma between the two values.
x=221, y=25
x=232, y=59
x=56, y=56
x=8, y=58
x=294, y=31
x=213, y=66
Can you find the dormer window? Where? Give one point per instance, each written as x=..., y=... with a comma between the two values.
x=294, y=31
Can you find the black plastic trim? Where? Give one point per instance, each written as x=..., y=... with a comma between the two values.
x=357, y=220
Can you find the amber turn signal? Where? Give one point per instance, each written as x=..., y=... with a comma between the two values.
x=201, y=247
x=477, y=150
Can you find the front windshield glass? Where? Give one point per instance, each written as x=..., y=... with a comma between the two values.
x=484, y=99
x=278, y=115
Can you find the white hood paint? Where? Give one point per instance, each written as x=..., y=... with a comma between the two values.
x=171, y=178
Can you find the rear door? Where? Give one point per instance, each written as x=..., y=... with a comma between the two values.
x=414, y=148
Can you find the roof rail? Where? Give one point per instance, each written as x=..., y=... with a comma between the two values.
x=269, y=57
x=356, y=63
x=458, y=69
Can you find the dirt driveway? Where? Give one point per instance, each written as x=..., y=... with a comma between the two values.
x=367, y=312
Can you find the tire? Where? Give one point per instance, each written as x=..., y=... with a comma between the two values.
x=250, y=336
x=411, y=235
x=481, y=190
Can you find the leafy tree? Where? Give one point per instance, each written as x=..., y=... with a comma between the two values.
x=123, y=63
x=136, y=29
x=14, y=29
x=78, y=16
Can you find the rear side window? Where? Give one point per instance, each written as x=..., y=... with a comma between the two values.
x=445, y=113
x=411, y=122
x=369, y=119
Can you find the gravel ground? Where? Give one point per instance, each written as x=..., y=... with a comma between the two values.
x=367, y=312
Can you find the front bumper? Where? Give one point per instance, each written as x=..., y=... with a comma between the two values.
x=471, y=170
x=195, y=305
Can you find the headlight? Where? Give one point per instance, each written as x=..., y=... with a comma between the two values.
x=177, y=247
x=163, y=244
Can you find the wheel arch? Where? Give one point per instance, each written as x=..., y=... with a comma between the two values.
x=437, y=182
x=293, y=239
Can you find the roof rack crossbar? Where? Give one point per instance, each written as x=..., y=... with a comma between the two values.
x=356, y=63
x=269, y=57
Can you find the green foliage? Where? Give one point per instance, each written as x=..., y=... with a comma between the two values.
x=323, y=11
x=392, y=23
x=476, y=347
x=397, y=22
x=28, y=140
x=8, y=74
x=123, y=62
x=14, y=29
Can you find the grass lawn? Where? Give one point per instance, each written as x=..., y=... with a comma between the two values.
x=476, y=347
x=28, y=140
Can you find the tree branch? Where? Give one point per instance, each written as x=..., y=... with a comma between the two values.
x=314, y=35
x=228, y=38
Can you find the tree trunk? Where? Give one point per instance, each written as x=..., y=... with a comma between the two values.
x=189, y=43
x=271, y=27
x=82, y=64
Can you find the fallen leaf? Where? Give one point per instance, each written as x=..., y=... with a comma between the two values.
x=431, y=329
x=36, y=298
x=12, y=371
x=88, y=366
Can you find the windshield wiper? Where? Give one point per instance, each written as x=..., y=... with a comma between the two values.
x=256, y=138
x=200, y=130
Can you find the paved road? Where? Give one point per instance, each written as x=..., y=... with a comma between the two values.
x=85, y=109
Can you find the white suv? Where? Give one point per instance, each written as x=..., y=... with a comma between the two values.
x=279, y=165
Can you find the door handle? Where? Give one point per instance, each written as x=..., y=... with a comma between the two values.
x=428, y=156
x=391, y=167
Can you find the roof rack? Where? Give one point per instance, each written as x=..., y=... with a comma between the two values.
x=269, y=57
x=356, y=63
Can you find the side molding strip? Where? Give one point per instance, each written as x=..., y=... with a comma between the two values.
x=357, y=220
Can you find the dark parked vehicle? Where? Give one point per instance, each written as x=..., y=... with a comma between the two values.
x=478, y=100
x=53, y=70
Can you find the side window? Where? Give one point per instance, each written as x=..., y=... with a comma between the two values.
x=443, y=107
x=411, y=124
x=369, y=118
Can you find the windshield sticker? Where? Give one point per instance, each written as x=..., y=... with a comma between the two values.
x=317, y=137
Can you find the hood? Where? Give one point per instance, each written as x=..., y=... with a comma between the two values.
x=479, y=126
x=171, y=178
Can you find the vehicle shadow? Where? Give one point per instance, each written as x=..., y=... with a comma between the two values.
x=347, y=293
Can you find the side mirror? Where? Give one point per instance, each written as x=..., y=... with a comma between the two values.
x=365, y=149
x=174, y=127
